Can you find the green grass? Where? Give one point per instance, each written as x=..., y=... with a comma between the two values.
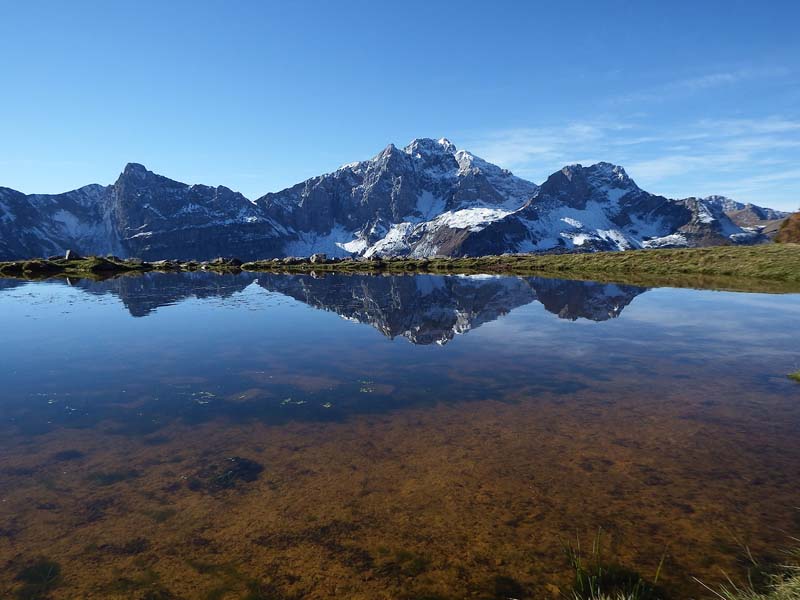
x=599, y=579
x=769, y=268
x=795, y=376
x=780, y=262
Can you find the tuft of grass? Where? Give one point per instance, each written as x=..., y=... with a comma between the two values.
x=38, y=580
x=781, y=585
x=596, y=579
x=795, y=376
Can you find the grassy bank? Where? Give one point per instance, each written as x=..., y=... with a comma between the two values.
x=776, y=262
x=768, y=268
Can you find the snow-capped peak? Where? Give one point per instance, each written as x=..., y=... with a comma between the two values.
x=447, y=145
x=427, y=146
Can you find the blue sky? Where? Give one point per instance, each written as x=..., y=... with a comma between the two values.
x=692, y=98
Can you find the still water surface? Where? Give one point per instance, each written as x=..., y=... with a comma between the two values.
x=283, y=436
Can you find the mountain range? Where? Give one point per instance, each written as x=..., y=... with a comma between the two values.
x=427, y=199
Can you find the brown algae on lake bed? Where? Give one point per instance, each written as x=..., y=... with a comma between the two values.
x=363, y=509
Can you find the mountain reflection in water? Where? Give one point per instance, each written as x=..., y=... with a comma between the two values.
x=425, y=309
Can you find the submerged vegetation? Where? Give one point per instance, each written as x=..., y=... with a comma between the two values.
x=595, y=578
x=38, y=579
x=225, y=475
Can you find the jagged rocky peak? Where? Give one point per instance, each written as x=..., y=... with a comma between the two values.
x=600, y=174
x=134, y=172
x=603, y=173
x=575, y=184
x=136, y=181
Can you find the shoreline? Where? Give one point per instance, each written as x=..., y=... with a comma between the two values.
x=770, y=268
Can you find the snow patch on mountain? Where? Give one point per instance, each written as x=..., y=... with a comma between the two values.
x=334, y=243
x=673, y=240
x=428, y=207
x=474, y=219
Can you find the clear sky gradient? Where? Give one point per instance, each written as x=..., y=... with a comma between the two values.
x=692, y=98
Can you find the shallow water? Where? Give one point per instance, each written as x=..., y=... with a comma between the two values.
x=284, y=436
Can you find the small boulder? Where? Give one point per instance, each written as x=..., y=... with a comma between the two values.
x=165, y=265
x=319, y=258
x=226, y=262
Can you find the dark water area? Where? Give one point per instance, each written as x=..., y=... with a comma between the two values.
x=205, y=436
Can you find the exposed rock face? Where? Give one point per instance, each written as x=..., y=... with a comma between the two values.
x=426, y=199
